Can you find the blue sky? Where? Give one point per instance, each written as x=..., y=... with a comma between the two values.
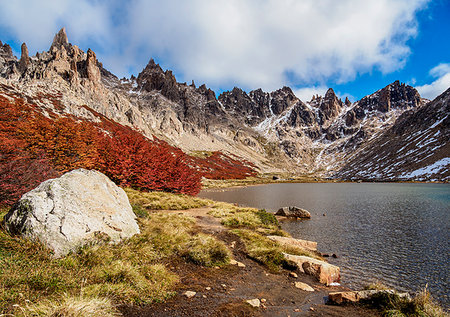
x=353, y=46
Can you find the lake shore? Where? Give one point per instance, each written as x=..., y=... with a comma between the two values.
x=194, y=257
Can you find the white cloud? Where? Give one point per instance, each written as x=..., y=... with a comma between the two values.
x=250, y=43
x=442, y=82
x=306, y=93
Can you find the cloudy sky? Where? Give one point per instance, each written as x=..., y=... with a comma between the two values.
x=353, y=46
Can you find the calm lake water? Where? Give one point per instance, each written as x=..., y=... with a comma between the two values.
x=398, y=234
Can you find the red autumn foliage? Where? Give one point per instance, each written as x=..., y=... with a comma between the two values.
x=35, y=147
x=222, y=166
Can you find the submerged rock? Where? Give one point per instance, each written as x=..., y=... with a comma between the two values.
x=75, y=209
x=294, y=212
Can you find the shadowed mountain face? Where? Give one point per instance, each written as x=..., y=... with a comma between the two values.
x=276, y=131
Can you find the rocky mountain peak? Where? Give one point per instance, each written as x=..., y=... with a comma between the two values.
x=347, y=102
x=60, y=40
x=329, y=106
x=6, y=51
x=24, y=58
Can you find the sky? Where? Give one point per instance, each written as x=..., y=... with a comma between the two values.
x=355, y=47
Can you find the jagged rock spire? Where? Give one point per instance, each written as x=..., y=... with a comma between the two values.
x=60, y=39
x=24, y=58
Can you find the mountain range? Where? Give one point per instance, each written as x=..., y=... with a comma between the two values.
x=392, y=134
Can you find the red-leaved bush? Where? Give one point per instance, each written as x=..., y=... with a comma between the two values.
x=35, y=147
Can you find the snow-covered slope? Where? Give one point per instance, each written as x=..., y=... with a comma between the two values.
x=416, y=147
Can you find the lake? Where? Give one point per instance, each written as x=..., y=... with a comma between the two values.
x=395, y=233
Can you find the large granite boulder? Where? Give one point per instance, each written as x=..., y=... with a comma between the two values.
x=324, y=272
x=293, y=212
x=67, y=212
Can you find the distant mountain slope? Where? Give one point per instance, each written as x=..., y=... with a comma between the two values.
x=274, y=132
x=416, y=147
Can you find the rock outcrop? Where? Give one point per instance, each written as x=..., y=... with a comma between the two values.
x=324, y=272
x=293, y=212
x=72, y=210
x=339, y=298
x=287, y=241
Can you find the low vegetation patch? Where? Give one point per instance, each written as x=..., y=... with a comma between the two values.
x=268, y=252
x=144, y=201
x=244, y=217
x=207, y=251
x=33, y=283
x=393, y=305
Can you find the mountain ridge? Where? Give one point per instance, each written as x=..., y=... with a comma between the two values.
x=275, y=131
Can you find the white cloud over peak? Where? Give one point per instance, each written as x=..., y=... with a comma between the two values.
x=251, y=44
x=441, y=73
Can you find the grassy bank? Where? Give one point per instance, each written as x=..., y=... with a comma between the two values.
x=97, y=279
x=33, y=283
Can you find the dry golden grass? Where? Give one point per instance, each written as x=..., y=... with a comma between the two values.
x=144, y=201
x=128, y=272
x=71, y=306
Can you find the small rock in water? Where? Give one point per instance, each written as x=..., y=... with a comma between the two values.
x=334, y=255
x=293, y=274
x=189, y=294
x=254, y=302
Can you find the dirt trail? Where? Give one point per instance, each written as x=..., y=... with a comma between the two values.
x=223, y=292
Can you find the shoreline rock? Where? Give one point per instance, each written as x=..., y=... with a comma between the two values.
x=293, y=212
x=287, y=241
x=339, y=298
x=324, y=272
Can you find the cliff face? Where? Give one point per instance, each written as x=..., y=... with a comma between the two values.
x=274, y=130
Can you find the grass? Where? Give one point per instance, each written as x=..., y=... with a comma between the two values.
x=392, y=305
x=131, y=272
x=242, y=217
x=142, y=202
x=268, y=252
x=207, y=251
x=73, y=306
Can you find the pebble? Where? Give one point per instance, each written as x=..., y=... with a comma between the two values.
x=208, y=288
x=254, y=302
x=223, y=285
x=293, y=274
x=311, y=308
x=204, y=296
x=233, y=262
x=233, y=244
x=189, y=294
x=263, y=300
x=240, y=264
